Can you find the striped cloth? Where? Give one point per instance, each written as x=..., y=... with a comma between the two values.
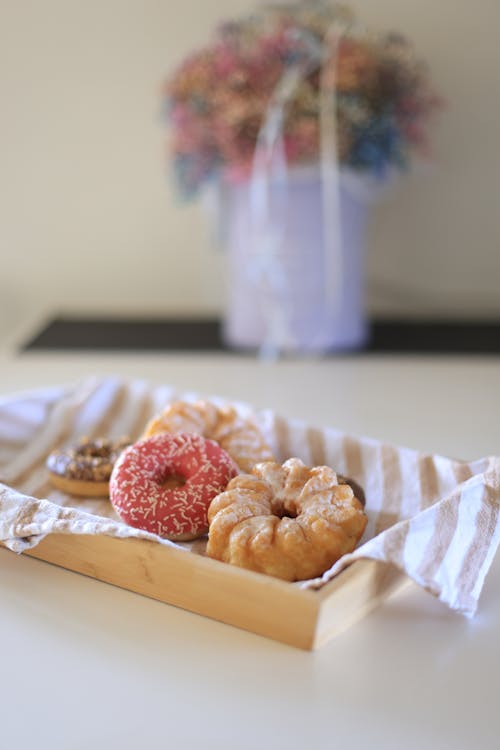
x=434, y=518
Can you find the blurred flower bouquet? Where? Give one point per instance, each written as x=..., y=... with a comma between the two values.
x=274, y=78
x=219, y=96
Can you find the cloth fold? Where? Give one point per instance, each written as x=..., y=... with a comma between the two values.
x=25, y=521
x=448, y=547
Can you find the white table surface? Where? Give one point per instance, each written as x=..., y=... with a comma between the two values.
x=87, y=665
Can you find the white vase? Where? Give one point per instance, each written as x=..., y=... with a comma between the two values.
x=283, y=291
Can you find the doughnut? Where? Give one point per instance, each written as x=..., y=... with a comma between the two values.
x=239, y=436
x=165, y=483
x=289, y=521
x=84, y=469
x=357, y=489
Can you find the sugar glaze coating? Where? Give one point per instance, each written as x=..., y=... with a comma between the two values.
x=288, y=521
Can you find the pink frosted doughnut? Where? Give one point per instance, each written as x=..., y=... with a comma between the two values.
x=140, y=491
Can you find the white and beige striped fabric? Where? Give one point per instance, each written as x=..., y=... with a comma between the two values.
x=436, y=519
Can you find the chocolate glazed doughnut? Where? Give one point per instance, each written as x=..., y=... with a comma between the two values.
x=84, y=469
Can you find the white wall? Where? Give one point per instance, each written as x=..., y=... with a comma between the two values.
x=89, y=221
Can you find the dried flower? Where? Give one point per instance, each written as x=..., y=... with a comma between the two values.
x=218, y=97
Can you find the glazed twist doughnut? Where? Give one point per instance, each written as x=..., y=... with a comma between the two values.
x=288, y=521
x=240, y=437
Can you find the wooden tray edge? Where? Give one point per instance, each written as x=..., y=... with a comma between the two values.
x=353, y=594
x=254, y=602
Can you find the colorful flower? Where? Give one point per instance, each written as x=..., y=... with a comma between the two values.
x=219, y=96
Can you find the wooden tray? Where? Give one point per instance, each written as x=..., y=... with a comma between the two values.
x=267, y=606
x=305, y=618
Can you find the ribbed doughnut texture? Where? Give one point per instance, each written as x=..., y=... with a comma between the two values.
x=239, y=436
x=288, y=521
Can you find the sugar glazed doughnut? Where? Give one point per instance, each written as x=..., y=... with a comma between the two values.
x=84, y=469
x=288, y=521
x=164, y=484
x=240, y=437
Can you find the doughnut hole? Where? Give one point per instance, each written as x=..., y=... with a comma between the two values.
x=284, y=507
x=171, y=481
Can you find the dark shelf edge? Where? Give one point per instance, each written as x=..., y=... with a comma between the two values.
x=72, y=333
